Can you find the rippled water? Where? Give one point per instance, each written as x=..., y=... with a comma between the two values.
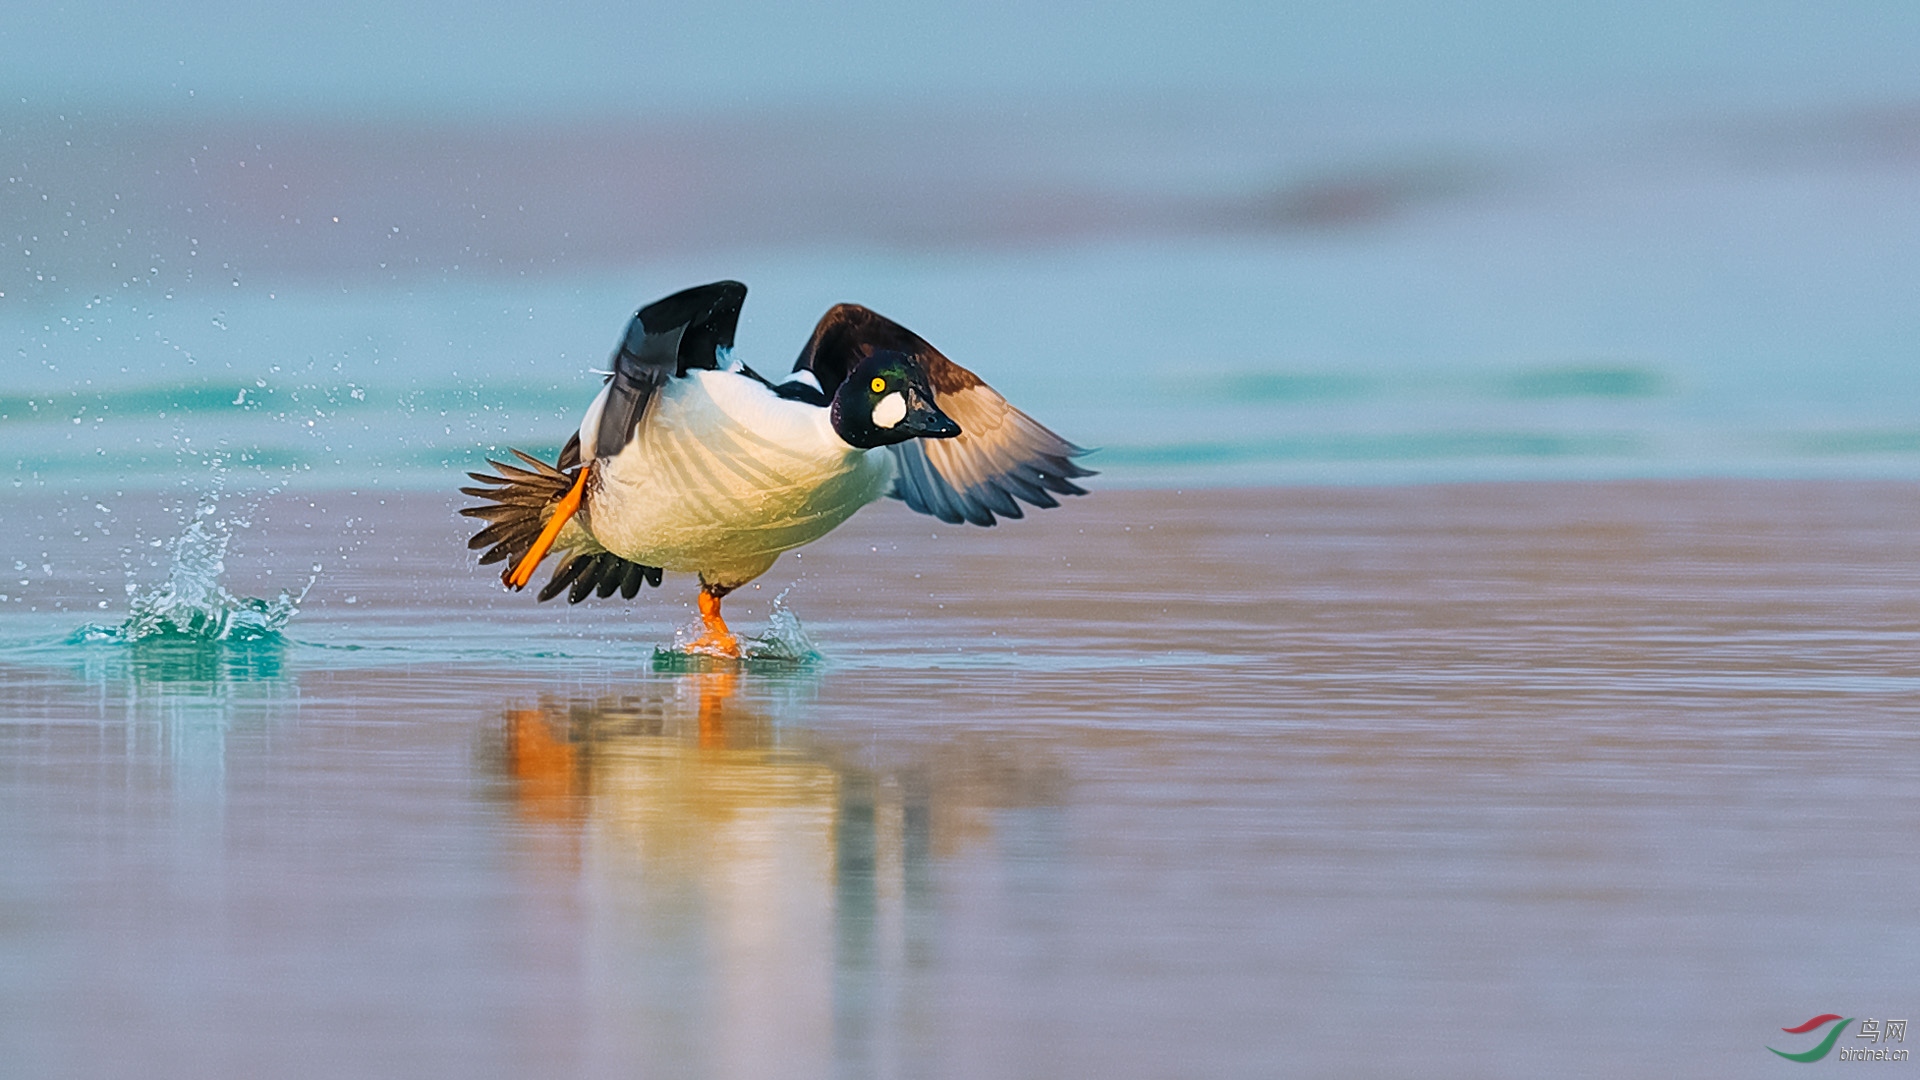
x=1460, y=780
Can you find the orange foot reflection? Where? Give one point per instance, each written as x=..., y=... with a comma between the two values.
x=715, y=688
x=544, y=764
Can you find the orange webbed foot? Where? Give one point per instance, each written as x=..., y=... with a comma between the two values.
x=717, y=640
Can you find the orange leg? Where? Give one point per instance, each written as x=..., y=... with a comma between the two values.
x=718, y=640
x=563, y=511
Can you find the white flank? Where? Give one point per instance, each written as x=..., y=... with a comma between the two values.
x=590, y=425
x=724, y=475
x=891, y=410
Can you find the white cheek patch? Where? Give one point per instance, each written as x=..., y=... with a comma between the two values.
x=891, y=410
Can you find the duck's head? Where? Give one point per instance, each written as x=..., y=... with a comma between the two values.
x=887, y=399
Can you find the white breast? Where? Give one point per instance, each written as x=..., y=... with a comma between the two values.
x=724, y=475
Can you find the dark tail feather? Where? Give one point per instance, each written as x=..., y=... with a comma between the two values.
x=519, y=502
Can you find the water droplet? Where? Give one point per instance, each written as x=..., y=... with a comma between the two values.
x=192, y=604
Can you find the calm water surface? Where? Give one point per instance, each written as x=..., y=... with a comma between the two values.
x=1512, y=780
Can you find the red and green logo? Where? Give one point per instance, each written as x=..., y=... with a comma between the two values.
x=1825, y=1046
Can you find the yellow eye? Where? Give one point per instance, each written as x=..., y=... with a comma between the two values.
x=879, y=384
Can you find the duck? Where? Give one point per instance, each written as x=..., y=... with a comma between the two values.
x=688, y=461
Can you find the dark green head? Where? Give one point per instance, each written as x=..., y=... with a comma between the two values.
x=887, y=399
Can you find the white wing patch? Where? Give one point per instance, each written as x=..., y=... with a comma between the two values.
x=891, y=410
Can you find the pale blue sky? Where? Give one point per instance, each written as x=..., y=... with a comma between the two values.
x=594, y=56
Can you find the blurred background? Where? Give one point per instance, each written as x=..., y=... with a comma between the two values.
x=1328, y=242
x=1170, y=782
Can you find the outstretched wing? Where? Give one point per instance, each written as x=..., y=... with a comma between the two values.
x=1001, y=457
x=848, y=334
x=666, y=339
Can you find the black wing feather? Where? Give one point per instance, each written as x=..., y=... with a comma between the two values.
x=1001, y=457
x=564, y=576
x=611, y=570
x=630, y=585
x=848, y=334
x=583, y=585
x=601, y=574
x=665, y=340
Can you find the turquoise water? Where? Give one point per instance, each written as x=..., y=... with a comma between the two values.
x=1298, y=295
x=358, y=391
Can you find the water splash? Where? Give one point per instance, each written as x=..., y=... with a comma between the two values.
x=192, y=606
x=784, y=640
x=784, y=643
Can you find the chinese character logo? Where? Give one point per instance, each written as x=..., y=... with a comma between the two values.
x=1870, y=1030
x=1825, y=1046
x=1873, y=1031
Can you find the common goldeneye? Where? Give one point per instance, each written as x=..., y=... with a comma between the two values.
x=687, y=463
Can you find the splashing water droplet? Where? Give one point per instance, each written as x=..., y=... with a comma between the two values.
x=784, y=642
x=192, y=605
x=785, y=639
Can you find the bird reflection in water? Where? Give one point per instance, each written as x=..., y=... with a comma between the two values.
x=755, y=898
